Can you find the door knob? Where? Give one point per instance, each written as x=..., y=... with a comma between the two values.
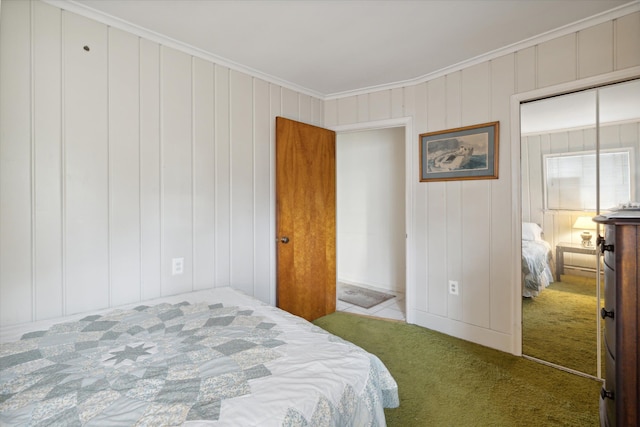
x=284, y=239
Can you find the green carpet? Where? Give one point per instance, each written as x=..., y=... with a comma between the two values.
x=444, y=381
x=559, y=325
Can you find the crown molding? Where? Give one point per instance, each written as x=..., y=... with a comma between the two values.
x=78, y=8
x=75, y=6
x=618, y=12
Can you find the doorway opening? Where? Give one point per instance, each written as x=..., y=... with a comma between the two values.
x=372, y=222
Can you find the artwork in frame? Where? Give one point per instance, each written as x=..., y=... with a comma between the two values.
x=469, y=152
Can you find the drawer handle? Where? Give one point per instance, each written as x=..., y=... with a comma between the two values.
x=603, y=248
x=606, y=394
x=604, y=313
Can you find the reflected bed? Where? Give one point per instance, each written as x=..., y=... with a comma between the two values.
x=537, y=259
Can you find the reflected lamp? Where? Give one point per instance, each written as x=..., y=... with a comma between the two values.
x=585, y=224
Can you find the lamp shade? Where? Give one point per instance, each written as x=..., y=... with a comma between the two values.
x=584, y=223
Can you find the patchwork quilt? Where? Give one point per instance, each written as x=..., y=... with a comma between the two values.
x=191, y=363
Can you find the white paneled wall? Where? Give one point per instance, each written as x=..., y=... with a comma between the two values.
x=117, y=159
x=119, y=154
x=464, y=229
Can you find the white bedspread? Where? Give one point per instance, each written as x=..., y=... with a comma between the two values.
x=214, y=357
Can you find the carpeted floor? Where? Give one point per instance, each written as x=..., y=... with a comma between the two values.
x=559, y=325
x=444, y=381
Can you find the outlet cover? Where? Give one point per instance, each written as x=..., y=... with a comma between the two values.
x=453, y=287
x=177, y=266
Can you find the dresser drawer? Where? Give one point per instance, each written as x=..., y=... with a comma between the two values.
x=609, y=386
x=609, y=240
x=609, y=310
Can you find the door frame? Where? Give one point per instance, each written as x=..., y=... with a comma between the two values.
x=407, y=124
x=516, y=179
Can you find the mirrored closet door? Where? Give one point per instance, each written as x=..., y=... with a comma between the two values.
x=579, y=157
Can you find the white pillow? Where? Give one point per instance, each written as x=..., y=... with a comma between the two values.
x=531, y=231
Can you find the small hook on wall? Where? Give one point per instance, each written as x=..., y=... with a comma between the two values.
x=87, y=48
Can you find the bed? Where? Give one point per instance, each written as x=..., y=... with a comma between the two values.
x=537, y=259
x=216, y=357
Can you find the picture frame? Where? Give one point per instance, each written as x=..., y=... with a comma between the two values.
x=464, y=153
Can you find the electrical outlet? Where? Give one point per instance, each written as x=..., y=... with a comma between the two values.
x=453, y=287
x=177, y=266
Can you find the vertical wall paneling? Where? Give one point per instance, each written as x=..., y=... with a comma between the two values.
x=124, y=167
x=242, y=179
x=317, y=112
x=275, y=99
x=502, y=87
x=476, y=206
x=305, y=112
x=557, y=61
x=150, y=213
x=526, y=69
x=347, y=110
x=627, y=38
x=437, y=278
x=223, y=178
x=47, y=88
x=60, y=111
x=16, y=291
x=363, y=107
x=595, y=50
x=453, y=224
x=262, y=189
x=397, y=104
x=419, y=124
x=535, y=176
x=86, y=164
x=290, y=104
x=524, y=180
x=330, y=114
x=176, y=146
x=380, y=105
x=476, y=93
x=419, y=107
x=203, y=174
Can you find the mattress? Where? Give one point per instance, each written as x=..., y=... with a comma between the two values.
x=216, y=357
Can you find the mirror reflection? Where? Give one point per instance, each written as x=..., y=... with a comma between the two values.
x=579, y=157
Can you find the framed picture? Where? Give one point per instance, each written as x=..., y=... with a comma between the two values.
x=470, y=152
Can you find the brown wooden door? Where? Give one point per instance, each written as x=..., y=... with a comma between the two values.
x=305, y=218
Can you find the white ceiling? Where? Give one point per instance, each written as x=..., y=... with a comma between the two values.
x=335, y=47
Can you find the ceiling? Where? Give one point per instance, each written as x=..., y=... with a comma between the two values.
x=335, y=47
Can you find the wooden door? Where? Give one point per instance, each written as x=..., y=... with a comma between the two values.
x=305, y=219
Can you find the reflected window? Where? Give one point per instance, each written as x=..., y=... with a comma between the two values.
x=570, y=179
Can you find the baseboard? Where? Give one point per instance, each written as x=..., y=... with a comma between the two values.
x=476, y=334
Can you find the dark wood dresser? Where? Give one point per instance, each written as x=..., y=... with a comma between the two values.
x=620, y=396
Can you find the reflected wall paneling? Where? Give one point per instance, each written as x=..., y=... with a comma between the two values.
x=86, y=164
